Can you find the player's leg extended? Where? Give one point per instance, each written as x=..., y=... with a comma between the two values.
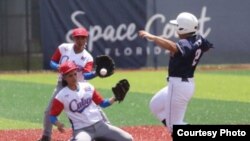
x=109, y=132
x=47, y=126
x=157, y=104
x=180, y=94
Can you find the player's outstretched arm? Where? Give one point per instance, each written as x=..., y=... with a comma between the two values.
x=160, y=41
x=89, y=75
x=54, y=65
x=56, y=109
x=107, y=102
x=99, y=100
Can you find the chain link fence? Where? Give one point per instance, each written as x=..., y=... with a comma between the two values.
x=20, y=46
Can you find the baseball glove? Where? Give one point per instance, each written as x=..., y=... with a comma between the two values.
x=106, y=62
x=121, y=89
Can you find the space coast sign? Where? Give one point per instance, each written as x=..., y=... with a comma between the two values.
x=128, y=33
x=112, y=31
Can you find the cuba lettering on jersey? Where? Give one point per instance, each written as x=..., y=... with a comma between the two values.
x=80, y=59
x=79, y=105
x=183, y=63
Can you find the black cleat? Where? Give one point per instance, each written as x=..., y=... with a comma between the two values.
x=44, y=138
x=164, y=122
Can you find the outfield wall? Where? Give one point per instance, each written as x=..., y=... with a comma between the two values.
x=113, y=26
x=31, y=30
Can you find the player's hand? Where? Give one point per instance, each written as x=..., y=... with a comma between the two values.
x=148, y=36
x=60, y=127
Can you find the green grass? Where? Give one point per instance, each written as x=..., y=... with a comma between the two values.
x=204, y=111
x=221, y=97
x=225, y=86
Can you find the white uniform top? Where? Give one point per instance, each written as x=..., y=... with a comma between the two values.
x=79, y=105
x=80, y=59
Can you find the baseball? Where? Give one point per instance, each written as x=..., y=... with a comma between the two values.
x=103, y=71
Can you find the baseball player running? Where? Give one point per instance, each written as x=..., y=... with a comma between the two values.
x=170, y=103
x=77, y=53
x=79, y=100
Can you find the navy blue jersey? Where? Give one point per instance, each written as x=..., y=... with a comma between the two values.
x=183, y=63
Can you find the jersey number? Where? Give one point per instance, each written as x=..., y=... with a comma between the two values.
x=197, y=56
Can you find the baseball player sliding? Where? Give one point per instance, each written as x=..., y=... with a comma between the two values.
x=170, y=103
x=77, y=53
x=79, y=100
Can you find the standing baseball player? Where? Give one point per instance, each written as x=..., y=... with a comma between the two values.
x=170, y=103
x=77, y=53
x=79, y=100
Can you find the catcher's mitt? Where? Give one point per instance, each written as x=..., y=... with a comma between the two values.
x=120, y=90
x=104, y=62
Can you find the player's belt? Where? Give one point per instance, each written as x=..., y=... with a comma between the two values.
x=183, y=79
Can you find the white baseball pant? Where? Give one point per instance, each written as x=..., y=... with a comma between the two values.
x=101, y=131
x=170, y=103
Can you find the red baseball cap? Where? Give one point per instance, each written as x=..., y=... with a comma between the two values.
x=66, y=67
x=80, y=32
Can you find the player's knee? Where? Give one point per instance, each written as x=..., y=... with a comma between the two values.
x=152, y=106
